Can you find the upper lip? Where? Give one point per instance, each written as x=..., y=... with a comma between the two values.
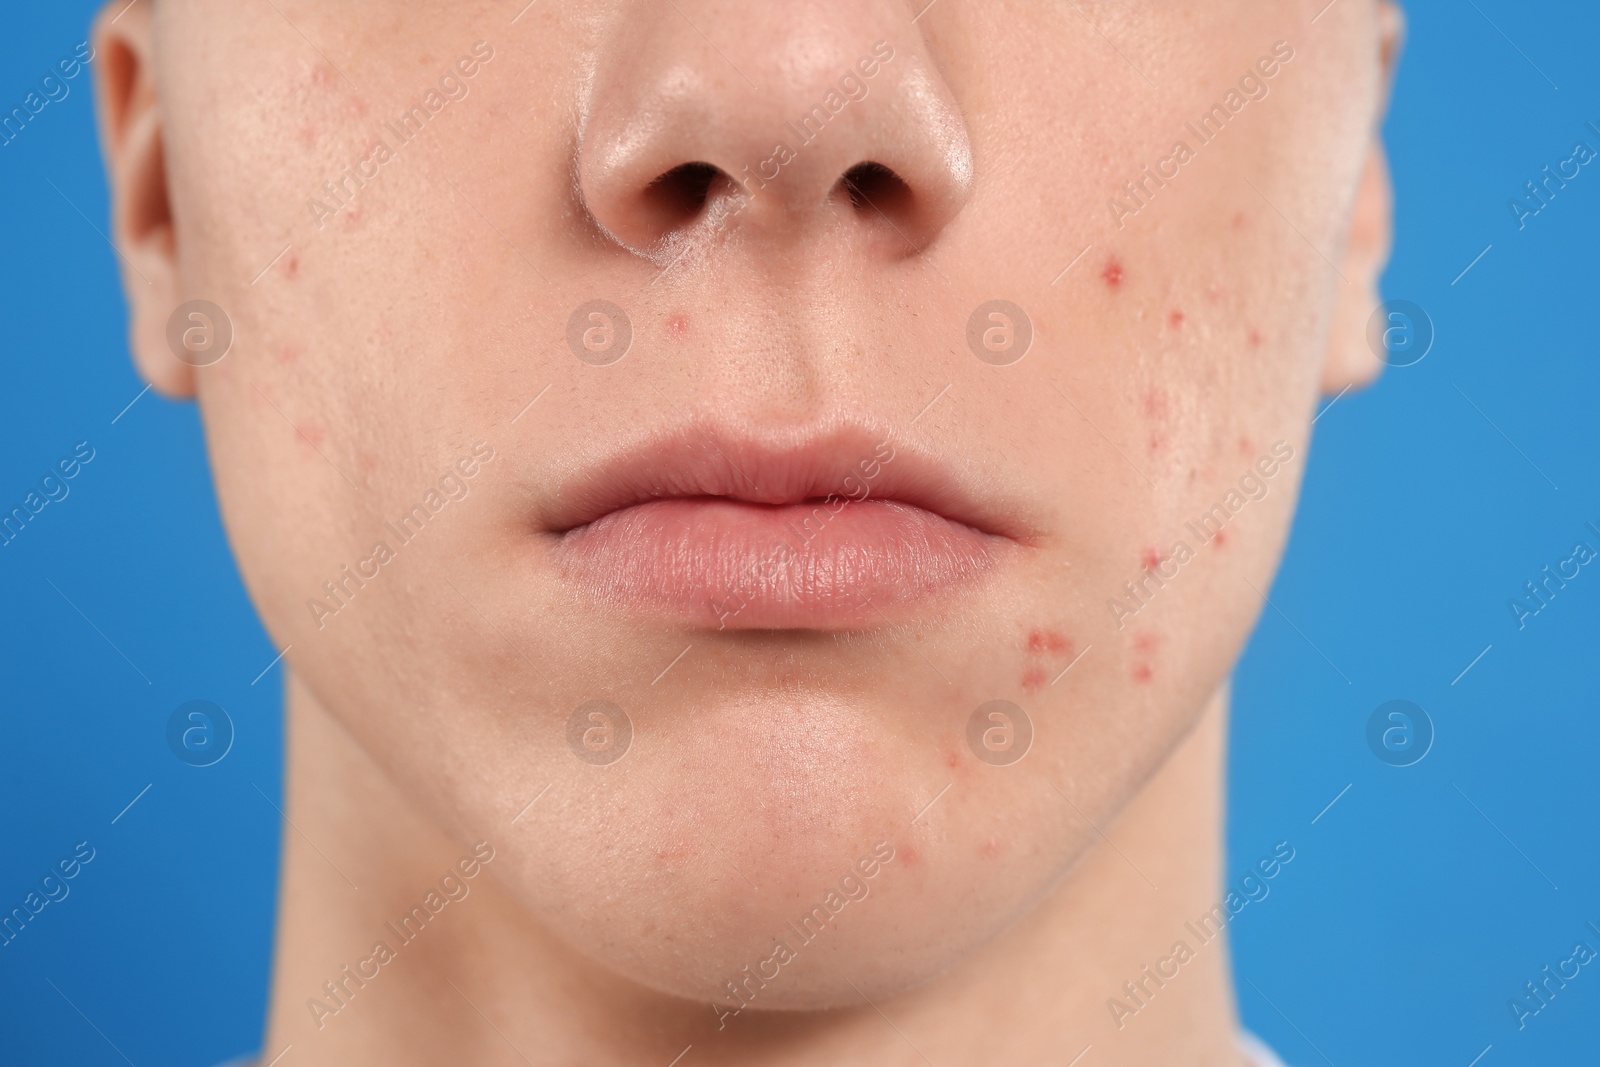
x=700, y=461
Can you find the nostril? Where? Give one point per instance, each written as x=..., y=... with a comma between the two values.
x=876, y=190
x=677, y=196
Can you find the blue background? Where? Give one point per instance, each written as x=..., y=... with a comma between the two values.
x=1416, y=906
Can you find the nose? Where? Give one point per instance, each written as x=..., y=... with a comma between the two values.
x=771, y=118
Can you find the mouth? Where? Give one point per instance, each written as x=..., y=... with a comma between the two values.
x=728, y=532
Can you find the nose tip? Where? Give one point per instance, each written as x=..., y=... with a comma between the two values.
x=825, y=121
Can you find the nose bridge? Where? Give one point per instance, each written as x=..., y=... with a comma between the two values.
x=785, y=107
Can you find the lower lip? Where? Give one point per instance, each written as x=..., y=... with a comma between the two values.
x=725, y=564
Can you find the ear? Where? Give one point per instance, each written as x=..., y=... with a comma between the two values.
x=1351, y=361
x=141, y=217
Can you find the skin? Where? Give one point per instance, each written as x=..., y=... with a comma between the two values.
x=426, y=314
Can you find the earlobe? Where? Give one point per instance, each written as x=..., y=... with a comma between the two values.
x=1351, y=359
x=141, y=217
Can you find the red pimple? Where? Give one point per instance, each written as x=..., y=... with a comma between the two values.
x=322, y=75
x=677, y=326
x=1151, y=559
x=990, y=849
x=311, y=432
x=352, y=217
x=1048, y=641
x=1157, y=442
x=1112, y=274
x=1146, y=642
x=1033, y=680
x=1255, y=337
x=1221, y=539
x=308, y=134
x=1238, y=220
x=1175, y=318
x=289, y=353
x=1245, y=447
x=1142, y=672
x=291, y=264
x=951, y=758
x=908, y=855
x=1214, y=293
x=367, y=461
x=1155, y=403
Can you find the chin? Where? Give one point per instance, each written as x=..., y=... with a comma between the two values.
x=774, y=854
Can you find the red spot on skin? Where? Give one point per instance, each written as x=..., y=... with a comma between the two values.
x=367, y=461
x=1041, y=643
x=308, y=134
x=909, y=855
x=677, y=326
x=1049, y=641
x=990, y=849
x=1157, y=442
x=1255, y=338
x=1155, y=403
x=1151, y=559
x=1142, y=672
x=311, y=432
x=322, y=76
x=1239, y=220
x=1221, y=540
x=1175, y=318
x=1214, y=293
x=291, y=264
x=352, y=217
x=359, y=107
x=951, y=758
x=1146, y=642
x=1245, y=447
x=1113, y=274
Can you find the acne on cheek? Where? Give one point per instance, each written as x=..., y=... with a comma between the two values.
x=1044, y=648
x=1112, y=274
x=1175, y=319
x=1144, y=646
x=1156, y=408
x=310, y=433
x=677, y=326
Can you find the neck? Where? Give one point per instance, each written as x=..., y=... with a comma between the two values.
x=1097, y=964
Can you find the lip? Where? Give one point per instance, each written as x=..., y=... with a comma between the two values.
x=844, y=530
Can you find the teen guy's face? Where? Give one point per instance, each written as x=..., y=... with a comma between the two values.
x=629, y=378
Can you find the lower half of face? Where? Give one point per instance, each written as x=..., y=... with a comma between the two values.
x=828, y=473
